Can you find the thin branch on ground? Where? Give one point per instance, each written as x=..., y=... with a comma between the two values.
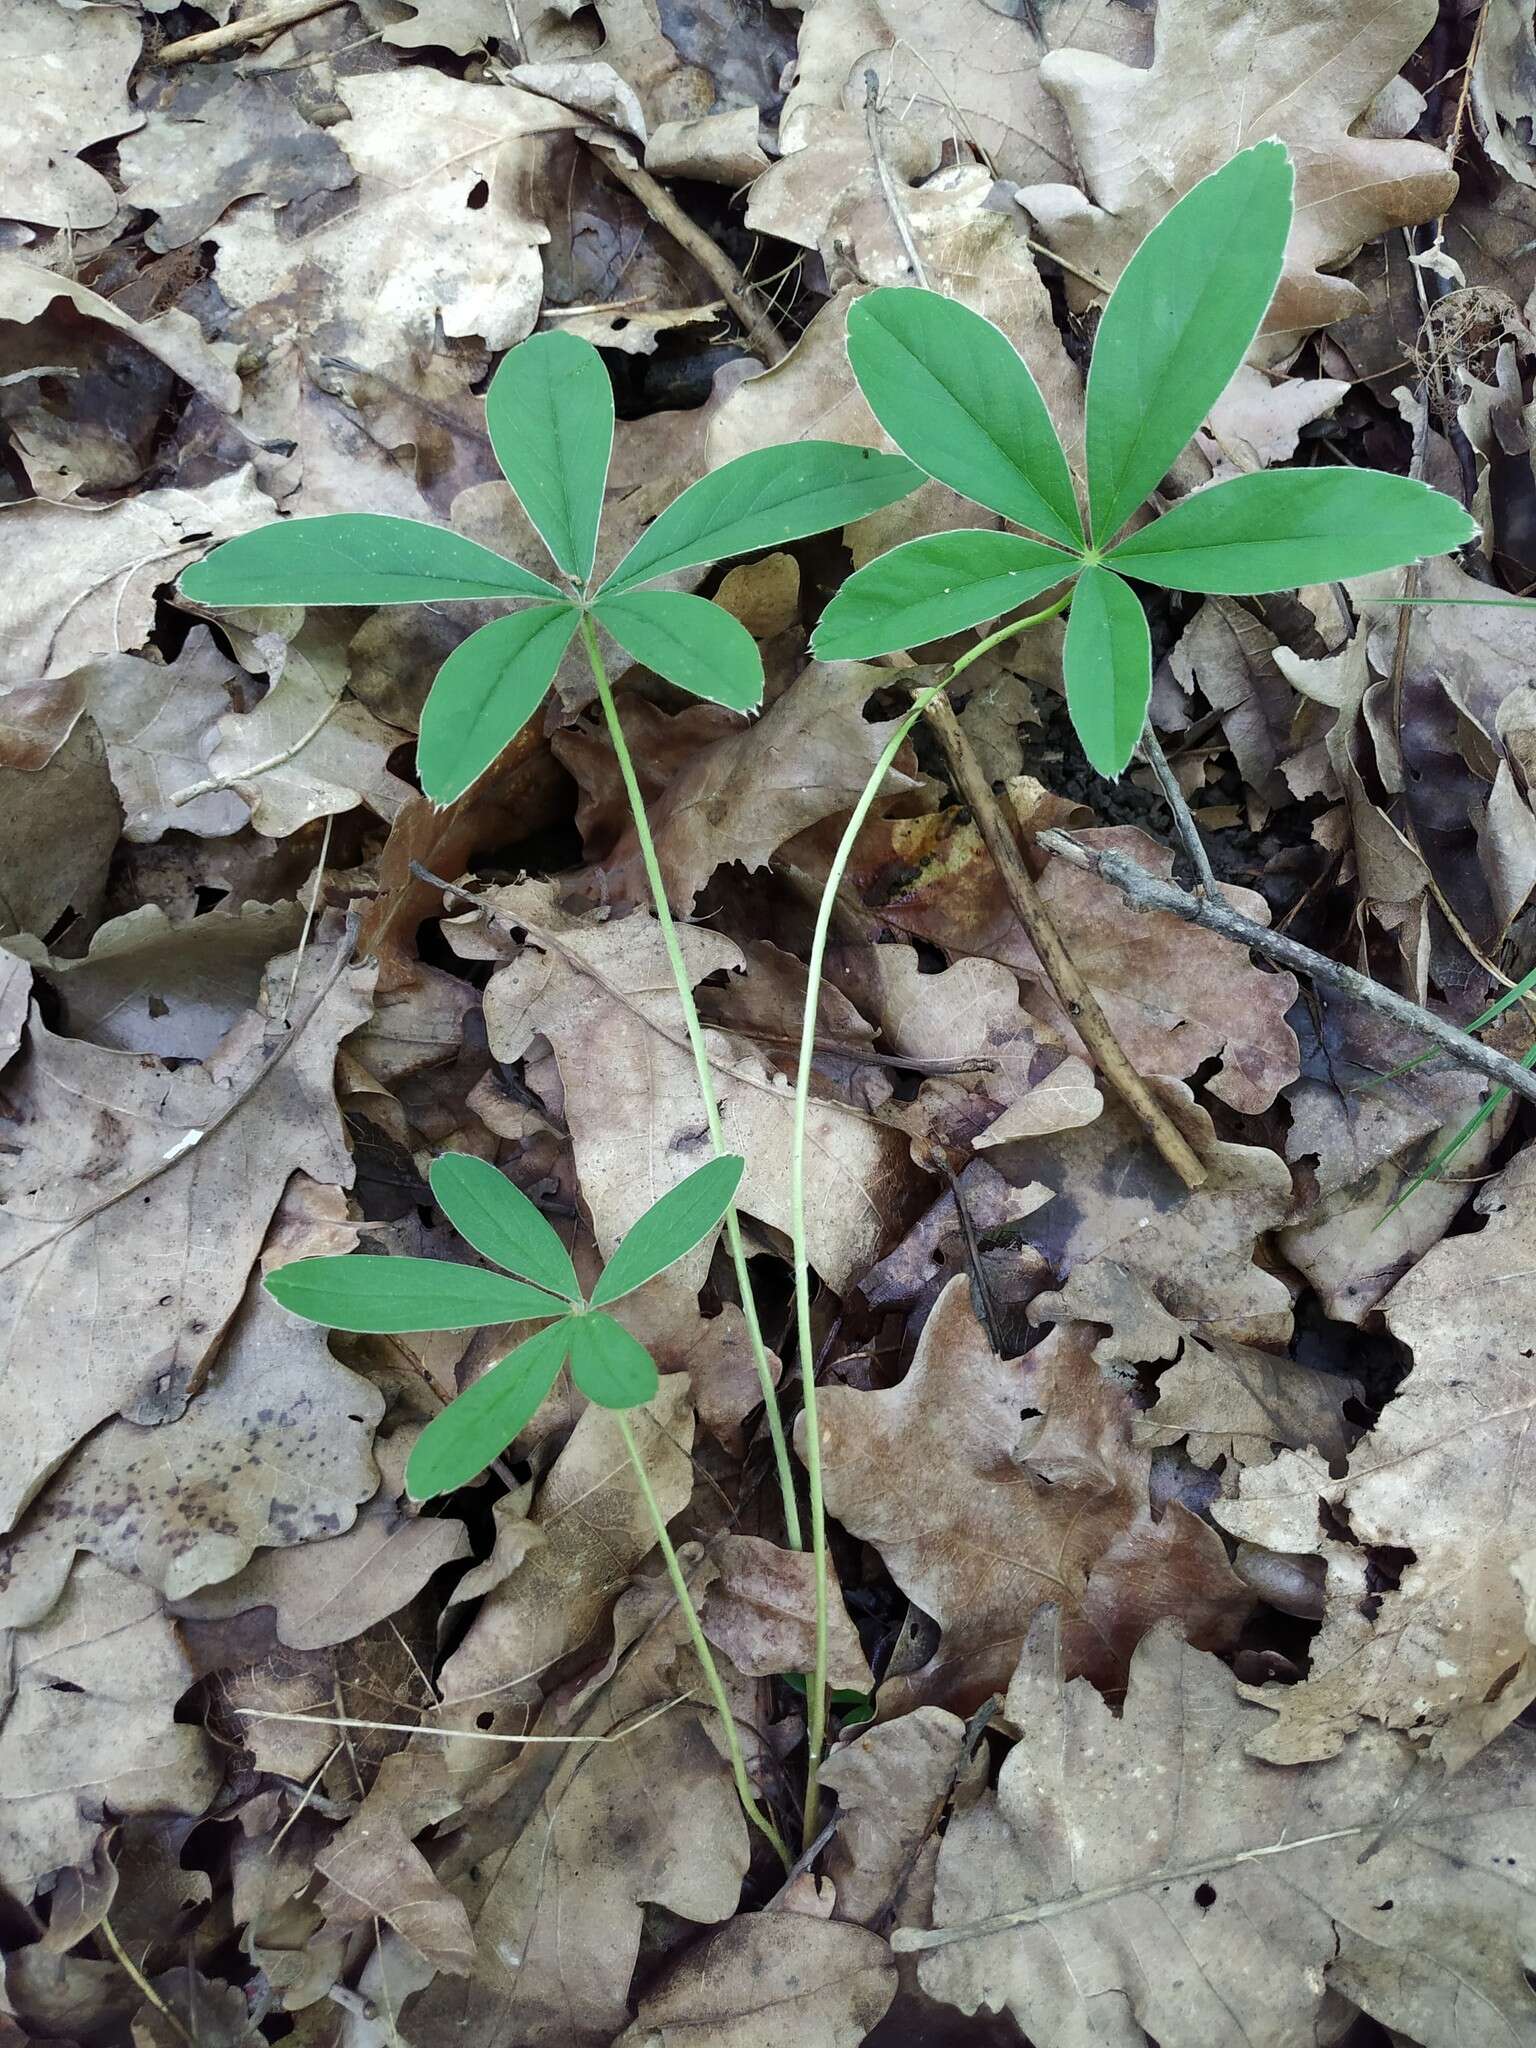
x=1077, y=998
x=1183, y=817
x=211, y=42
x=1147, y=892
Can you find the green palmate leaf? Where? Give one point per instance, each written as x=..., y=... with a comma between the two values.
x=457, y=1445
x=611, y=1368
x=671, y=1227
x=1108, y=666
x=1280, y=528
x=486, y=692
x=689, y=641
x=386, y=1296
x=494, y=1215
x=759, y=500
x=354, y=558
x=926, y=588
x=550, y=415
x=1177, y=325
x=953, y=392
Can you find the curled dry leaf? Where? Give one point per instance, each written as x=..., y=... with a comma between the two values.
x=767, y=1978
x=373, y=1868
x=893, y=1783
x=761, y=1611
x=58, y=827
x=1146, y=1866
x=994, y=1487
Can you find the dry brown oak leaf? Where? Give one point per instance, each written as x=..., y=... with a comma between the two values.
x=66, y=87
x=133, y=1203
x=1151, y=1879
x=1225, y=73
x=993, y=1487
x=1444, y=1474
x=1175, y=996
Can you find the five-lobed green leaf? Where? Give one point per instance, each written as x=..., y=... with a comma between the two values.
x=690, y=641
x=494, y=1215
x=1280, y=528
x=362, y=558
x=486, y=692
x=1178, y=324
x=389, y=1295
x=549, y=412
x=1107, y=662
x=761, y=499
x=954, y=393
x=609, y=1365
x=457, y=1445
x=940, y=584
x=670, y=1228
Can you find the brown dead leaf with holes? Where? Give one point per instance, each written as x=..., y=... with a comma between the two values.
x=993, y=1487
x=1146, y=1865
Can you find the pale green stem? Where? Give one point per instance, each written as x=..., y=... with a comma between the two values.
x=816, y=1704
x=684, y=983
x=702, y=1651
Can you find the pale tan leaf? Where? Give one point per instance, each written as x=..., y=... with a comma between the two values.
x=768, y=1978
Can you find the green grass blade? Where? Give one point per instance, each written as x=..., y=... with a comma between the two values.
x=690, y=641
x=1280, y=528
x=610, y=1366
x=1178, y=324
x=928, y=588
x=670, y=1228
x=494, y=1215
x=361, y=558
x=486, y=692
x=457, y=1445
x=954, y=393
x=1454, y=1144
x=550, y=415
x=1108, y=666
x=386, y=1295
x=761, y=499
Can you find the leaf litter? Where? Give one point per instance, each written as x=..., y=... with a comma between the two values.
x=1182, y=1540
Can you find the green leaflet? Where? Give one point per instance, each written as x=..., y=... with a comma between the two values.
x=690, y=641
x=954, y=393
x=1108, y=667
x=926, y=588
x=360, y=1292
x=670, y=1228
x=486, y=692
x=1280, y=528
x=1177, y=325
x=354, y=558
x=609, y=1365
x=494, y=1215
x=457, y=1445
x=759, y=500
x=550, y=415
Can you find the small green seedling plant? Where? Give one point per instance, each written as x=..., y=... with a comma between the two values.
x=952, y=392
x=550, y=416
x=538, y=1283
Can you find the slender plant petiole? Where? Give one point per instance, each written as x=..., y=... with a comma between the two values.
x=679, y=966
x=701, y=1647
x=816, y=1708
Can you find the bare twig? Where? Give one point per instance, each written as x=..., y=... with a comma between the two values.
x=210, y=41
x=1077, y=998
x=893, y=201
x=763, y=337
x=1213, y=914
x=1183, y=820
